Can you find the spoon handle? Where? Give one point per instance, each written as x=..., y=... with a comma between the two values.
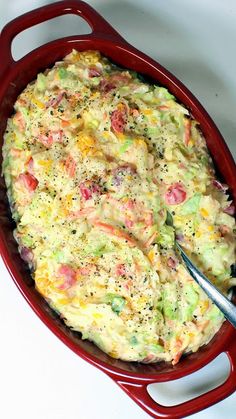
x=227, y=308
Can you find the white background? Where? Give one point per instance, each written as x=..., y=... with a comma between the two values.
x=40, y=378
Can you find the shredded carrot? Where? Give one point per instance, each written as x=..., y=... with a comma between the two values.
x=177, y=357
x=150, y=240
x=70, y=165
x=163, y=108
x=114, y=231
x=138, y=268
x=65, y=123
x=81, y=213
x=187, y=131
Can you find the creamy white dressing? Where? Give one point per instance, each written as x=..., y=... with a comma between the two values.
x=93, y=159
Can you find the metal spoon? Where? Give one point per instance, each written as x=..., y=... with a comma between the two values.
x=222, y=302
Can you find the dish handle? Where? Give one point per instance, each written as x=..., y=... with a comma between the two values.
x=137, y=390
x=99, y=26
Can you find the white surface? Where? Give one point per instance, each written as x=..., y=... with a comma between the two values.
x=40, y=378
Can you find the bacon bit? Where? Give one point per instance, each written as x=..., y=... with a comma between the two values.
x=26, y=254
x=55, y=101
x=187, y=131
x=68, y=275
x=175, y=194
x=150, y=240
x=83, y=271
x=46, y=141
x=106, y=86
x=224, y=230
x=53, y=137
x=70, y=165
x=87, y=189
x=28, y=181
x=120, y=78
x=172, y=263
x=19, y=119
x=118, y=119
x=56, y=136
x=129, y=204
x=120, y=269
x=85, y=192
x=230, y=210
x=129, y=223
x=30, y=165
x=218, y=185
x=94, y=72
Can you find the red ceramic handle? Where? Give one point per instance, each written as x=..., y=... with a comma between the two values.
x=138, y=392
x=99, y=25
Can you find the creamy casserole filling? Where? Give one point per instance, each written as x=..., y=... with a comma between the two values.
x=94, y=156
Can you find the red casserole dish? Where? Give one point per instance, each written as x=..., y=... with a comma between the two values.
x=133, y=378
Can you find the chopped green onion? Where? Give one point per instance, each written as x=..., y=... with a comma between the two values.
x=191, y=205
x=62, y=73
x=117, y=304
x=126, y=145
x=133, y=340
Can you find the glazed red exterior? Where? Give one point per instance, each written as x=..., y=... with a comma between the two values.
x=14, y=76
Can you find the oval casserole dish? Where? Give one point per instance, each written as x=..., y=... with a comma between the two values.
x=132, y=377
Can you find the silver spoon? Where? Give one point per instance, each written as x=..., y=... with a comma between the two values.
x=222, y=302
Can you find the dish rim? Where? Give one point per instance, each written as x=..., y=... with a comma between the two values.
x=105, y=36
